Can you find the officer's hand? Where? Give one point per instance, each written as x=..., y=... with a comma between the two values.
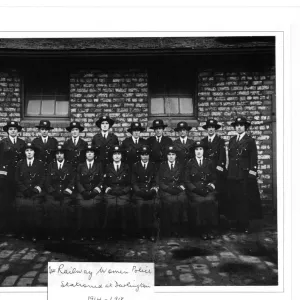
x=220, y=169
x=108, y=191
x=65, y=192
x=210, y=187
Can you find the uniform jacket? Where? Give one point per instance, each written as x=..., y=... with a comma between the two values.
x=88, y=179
x=117, y=180
x=142, y=179
x=215, y=151
x=183, y=150
x=59, y=180
x=104, y=145
x=11, y=154
x=170, y=179
x=242, y=157
x=73, y=155
x=29, y=177
x=45, y=149
x=199, y=176
x=158, y=150
x=131, y=150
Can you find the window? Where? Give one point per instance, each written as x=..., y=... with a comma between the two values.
x=172, y=92
x=46, y=92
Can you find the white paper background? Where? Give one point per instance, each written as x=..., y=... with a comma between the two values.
x=93, y=21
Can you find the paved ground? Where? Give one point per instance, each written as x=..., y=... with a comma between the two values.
x=231, y=259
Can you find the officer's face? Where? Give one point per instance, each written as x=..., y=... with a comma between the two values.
x=60, y=156
x=104, y=126
x=75, y=132
x=199, y=152
x=240, y=128
x=12, y=131
x=136, y=133
x=211, y=130
x=44, y=132
x=158, y=131
x=29, y=153
x=171, y=157
x=183, y=133
x=117, y=156
x=90, y=155
x=145, y=158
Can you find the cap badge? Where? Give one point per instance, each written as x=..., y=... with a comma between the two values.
x=74, y=123
x=239, y=119
x=136, y=124
x=157, y=122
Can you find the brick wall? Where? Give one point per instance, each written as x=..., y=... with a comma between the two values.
x=123, y=95
x=224, y=95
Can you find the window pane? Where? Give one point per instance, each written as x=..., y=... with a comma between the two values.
x=157, y=106
x=186, y=105
x=34, y=107
x=48, y=107
x=171, y=105
x=62, y=108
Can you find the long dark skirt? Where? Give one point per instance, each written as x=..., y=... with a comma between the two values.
x=171, y=212
x=60, y=214
x=244, y=201
x=203, y=210
x=145, y=210
x=90, y=214
x=119, y=214
x=30, y=213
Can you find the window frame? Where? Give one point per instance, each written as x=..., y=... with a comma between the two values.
x=25, y=117
x=175, y=117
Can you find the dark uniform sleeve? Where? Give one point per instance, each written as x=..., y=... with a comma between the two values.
x=48, y=183
x=222, y=154
x=187, y=182
x=21, y=186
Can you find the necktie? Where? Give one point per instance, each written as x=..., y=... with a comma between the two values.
x=14, y=140
x=172, y=167
x=59, y=166
x=200, y=162
x=75, y=141
x=135, y=141
x=239, y=137
x=45, y=141
x=29, y=164
x=209, y=140
x=158, y=140
x=90, y=165
x=145, y=166
x=118, y=168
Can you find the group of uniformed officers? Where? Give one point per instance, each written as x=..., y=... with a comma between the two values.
x=146, y=187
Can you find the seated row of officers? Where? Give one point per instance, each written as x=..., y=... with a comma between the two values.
x=145, y=187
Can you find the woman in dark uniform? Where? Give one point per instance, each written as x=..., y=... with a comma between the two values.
x=200, y=184
x=90, y=198
x=158, y=143
x=172, y=194
x=74, y=144
x=45, y=143
x=60, y=187
x=183, y=144
x=119, y=210
x=244, y=199
x=143, y=180
x=133, y=144
x=30, y=177
x=105, y=140
x=12, y=151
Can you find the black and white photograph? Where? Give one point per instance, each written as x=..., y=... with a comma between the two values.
x=140, y=150
x=143, y=147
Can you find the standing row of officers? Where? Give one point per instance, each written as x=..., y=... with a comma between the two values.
x=143, y=186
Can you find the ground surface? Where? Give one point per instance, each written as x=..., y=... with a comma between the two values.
x=230, y=259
